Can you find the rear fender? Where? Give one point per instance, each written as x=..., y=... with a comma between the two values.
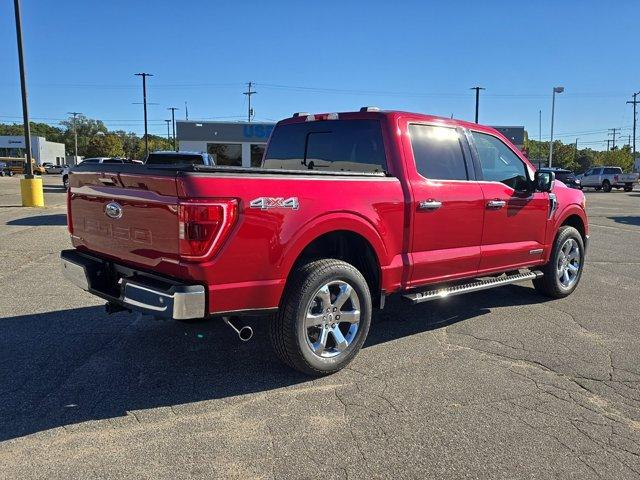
x=330, y=223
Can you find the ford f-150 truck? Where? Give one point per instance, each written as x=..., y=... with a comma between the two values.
x=346, y=209
x=606, y=178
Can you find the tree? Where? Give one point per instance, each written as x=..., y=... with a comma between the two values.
x=155, y=143
x=86, y=128
x=109, y=145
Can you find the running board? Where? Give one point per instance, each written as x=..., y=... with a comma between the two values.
x=437, y=293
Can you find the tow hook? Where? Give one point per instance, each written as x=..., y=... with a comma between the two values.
x=244, y=333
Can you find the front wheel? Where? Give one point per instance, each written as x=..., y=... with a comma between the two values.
x=606, y=186
x=323, y=319
x=65, y=181
x=563, y=271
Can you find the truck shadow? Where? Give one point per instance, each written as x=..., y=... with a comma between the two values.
x=40, y=220
x=627, y=219
x=70, y=366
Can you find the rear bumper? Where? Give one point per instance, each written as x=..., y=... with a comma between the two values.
x=133, y=289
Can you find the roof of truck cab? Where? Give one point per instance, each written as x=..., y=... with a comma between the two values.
x=421, y=117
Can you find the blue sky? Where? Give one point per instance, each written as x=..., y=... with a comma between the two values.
x=327, y=56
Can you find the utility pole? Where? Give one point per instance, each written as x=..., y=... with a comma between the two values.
x=634, y=102
x=173, y=121
x=613, y=132
x=186, y=111
x=608, y=144
x=168, y=136
x=539, y=139
x=75, y=136
x=144, y=101
x=477, y=89
x=248, y=93
x=575, y=151
x=553, y=109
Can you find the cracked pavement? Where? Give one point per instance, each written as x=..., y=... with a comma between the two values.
x=497, y=384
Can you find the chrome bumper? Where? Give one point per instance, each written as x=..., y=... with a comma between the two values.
x=134, y=290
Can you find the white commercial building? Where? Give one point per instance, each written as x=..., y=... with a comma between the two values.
x=41, y=149
x=238, y=144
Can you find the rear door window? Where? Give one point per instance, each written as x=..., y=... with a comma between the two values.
x=437, y=152
x=328, y=145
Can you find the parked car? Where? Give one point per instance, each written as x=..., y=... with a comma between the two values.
x=5, y=170
x=92, y=161
x=409, y=204
x=53, y=169
x=565, y=176
x=179, y=158
x=606, y=178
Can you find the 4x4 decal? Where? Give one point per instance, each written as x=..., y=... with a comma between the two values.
x=264, y=203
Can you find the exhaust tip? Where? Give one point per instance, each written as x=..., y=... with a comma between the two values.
x=245, y=333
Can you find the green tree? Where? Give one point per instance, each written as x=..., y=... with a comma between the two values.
x=87, y=129
x=155, y=143
x=109, y=145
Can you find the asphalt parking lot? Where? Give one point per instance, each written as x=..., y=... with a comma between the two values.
x=496, y=384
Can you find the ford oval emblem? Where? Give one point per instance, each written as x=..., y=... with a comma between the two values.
x=113, y=210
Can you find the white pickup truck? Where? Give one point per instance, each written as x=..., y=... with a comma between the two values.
x=606, y=178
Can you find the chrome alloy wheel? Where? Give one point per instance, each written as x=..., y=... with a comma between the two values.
x=568, y=265
x=332, y=319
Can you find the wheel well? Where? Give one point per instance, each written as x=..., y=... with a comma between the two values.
x=576, y=222
x=349, y=247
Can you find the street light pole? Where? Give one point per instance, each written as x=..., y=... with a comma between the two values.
x=173, y=122
x=75, y=137
x=144, y=101
x=477, y=89
x=23, y=87
x=539, y=139
x=553, y=107
x=634, y=102
x=168, y=135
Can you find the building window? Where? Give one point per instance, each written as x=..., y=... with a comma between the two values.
x=257, y=151
x=229, y=154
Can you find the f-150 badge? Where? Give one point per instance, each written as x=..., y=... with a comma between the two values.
x=265, y=203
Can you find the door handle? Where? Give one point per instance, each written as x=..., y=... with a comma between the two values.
x=429, y=204
x=496, y=204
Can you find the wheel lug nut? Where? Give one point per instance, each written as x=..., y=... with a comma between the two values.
x=334, y=309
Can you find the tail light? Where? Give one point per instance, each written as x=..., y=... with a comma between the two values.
x=69, y=219
x=204, y=225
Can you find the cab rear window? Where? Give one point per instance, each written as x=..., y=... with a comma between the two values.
x=178, y=159
x=328, y=145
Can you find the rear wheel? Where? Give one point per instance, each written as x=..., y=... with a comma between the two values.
x=606, y=186
x=324, y=317
x=562, y=273
x=628, y=188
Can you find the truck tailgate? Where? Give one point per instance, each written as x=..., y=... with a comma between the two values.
x=127, y=216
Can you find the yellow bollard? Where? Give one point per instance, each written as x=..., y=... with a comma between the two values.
x=32, y=193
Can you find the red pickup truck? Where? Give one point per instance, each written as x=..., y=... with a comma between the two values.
x=347, y=209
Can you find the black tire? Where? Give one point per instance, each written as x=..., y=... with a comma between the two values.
x=65, y=181
x=550, y=284
x=628, y=188
x=290, y=336
x=606, y=186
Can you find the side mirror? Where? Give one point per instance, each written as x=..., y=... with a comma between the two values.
x=544, y=181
